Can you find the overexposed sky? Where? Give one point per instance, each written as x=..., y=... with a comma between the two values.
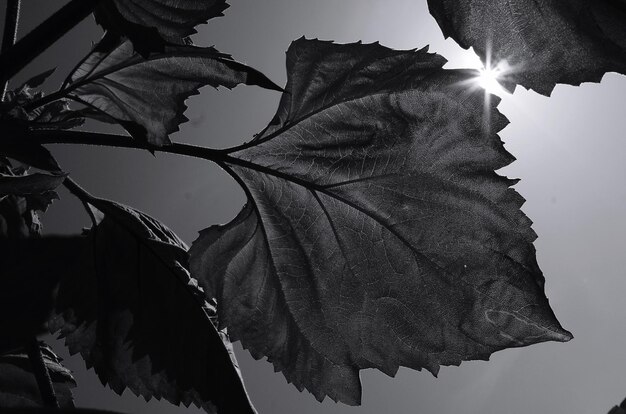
x=570, y=147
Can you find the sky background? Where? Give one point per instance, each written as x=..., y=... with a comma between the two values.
x=570, y=149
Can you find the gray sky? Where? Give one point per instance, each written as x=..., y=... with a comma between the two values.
x=570, y=149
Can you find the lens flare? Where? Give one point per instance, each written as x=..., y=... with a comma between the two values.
x=488, y=80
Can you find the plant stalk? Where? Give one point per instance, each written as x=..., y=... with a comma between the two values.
x=122, y=141
x=44, y=382
x=43, y=36
x=11, y=21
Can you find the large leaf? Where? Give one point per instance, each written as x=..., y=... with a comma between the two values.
x=141, y=322
x=376, y=233
x=544, y=42
x=150, y=22
x=18, y=386
x=147, y=95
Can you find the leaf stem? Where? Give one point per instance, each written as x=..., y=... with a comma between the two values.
x=44, y=382
x=9, y=34
x=122, y=141
x=43, y=36
x=221, y=157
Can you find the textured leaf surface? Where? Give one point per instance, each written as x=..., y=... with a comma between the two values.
x=376, y=233
x=146, y=22
x=545, y=42
x=141, y=322
x=18, y=386
x=147, y=95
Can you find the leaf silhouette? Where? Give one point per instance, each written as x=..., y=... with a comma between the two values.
x=34, y=155
x=140, y=321
x=376, y=233
x=35, y=183
x=543, y=42
x=147, y=95
x=18, y=387
x=150, y=23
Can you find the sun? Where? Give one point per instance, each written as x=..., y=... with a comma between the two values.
x=488, y=80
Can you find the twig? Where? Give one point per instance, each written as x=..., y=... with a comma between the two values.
x=44, y=35
x=9, y=34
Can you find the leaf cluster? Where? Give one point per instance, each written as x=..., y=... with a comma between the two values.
x=376, y=232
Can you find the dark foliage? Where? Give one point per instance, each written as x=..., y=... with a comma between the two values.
x=543, y=42
x=376, y=233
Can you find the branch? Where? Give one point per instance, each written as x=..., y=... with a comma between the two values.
x=43, y=36
x=10, y=33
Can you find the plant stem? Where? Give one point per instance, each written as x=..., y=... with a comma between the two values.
x=44, y=35
x=40, y=370
x=9, y=34
x=123, y=141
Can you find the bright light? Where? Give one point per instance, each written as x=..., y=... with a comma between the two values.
x=488, y=80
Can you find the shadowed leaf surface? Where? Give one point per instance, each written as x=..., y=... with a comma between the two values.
x=545, y=42
x=18, y=386
x=148, y=23
x=18, y=209
x=376, y=233
x=36, y=183
x=140, y=321
x=34, y=155
x=147, y=95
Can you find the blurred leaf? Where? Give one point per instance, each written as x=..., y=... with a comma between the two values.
x=147, y=96
x=544, y=42
x=18, y=386
x=27, y=194
x=140, y=321
x=18, y=215
x=151, y=23
x=376, y=233
x=31, y=268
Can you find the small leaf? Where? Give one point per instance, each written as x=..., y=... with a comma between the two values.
x=151, y=23
x=147, y=96
x=29, y=184
x=140, y=321
x=543, y=42
x=37, y=80
x=376, y=233
x=34, y=155
x=18, y=386
x=16, y=118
